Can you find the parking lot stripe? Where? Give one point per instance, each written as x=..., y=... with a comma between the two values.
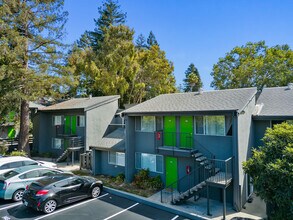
x=7, y=207
x=121, y=211
x=175, y=217
x=70, y=207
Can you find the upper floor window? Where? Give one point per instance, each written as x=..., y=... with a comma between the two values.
x=57, y=120
x=80, y=121
x=211, y=125
x=148, y=123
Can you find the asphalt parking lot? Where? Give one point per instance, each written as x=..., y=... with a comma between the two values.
x=107, y=206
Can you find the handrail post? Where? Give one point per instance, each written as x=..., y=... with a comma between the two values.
x=225, y=173
x=162, y=195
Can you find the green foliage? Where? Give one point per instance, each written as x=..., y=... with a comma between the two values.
x=18, y=153
x=120, y=178
x=271, y=168
x=142, y=180
x=117, y=66
x=30, y=55
x=192, y=81
x=151, y=41
x=254, y=65
x=3, y=149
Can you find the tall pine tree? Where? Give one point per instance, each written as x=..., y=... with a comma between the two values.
x=192, y=81
x=140, y=42
x=30, y=37
x=151, y=40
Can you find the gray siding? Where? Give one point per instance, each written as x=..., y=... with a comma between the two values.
x=259, y=131
x=245, y=142
x=102, y=166
x=97, y=121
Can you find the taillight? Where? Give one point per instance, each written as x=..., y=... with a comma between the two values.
x=27, y=186
x=42, y=192
x=5, y=185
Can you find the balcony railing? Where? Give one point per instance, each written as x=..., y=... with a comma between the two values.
x=179, y=142
x=223, y=172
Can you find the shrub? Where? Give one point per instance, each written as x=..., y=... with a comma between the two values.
x=120, y=178
x=3, y=149
x=18, y=153
x=142, y=180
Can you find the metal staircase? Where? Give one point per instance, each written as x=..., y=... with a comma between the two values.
x=193, y=184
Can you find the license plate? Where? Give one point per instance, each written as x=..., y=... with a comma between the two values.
x=25, y=203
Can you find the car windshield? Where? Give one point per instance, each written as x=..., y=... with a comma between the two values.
x=8, y=175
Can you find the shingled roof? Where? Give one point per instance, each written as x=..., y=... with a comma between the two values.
x=217, y=100
x=275, y=101
x=82, y=103
x=113, y=141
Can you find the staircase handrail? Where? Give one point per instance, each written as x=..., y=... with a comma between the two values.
x=203, y=148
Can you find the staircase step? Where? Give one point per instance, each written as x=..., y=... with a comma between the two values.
x=217, y=170
x=197, y=155
x=208, y=167
x=205, y=163
x=200, y=159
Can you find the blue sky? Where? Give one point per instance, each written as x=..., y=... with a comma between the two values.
x=195, y=31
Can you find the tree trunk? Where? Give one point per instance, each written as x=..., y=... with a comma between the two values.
x=23, y=142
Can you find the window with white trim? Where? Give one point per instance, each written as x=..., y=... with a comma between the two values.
x=116, y=158
x=57, y=120
x=57, y=143
x=210, y=125
x=148, y=123
x=80, y=122
x=152, y=162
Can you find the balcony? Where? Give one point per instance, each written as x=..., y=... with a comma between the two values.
x=174, y=143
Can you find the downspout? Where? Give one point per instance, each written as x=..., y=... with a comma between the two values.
x=236, y=193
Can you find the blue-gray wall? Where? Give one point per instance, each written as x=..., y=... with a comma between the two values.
x=102, y=166
x=260, y=127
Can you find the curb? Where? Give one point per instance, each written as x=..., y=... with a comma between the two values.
x=154, y=204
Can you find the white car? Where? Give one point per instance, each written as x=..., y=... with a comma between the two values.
x=9, y=163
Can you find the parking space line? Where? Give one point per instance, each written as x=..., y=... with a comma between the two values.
x=7, y=207
x=124, y=210
x=61, y=210
x=175, y=217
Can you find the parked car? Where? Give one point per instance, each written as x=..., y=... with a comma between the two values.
x=14, y=182
x=51, y=192
x=9, y=163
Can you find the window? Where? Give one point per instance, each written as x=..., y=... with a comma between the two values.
x=46, y=172
x=57, y=143
x=30, y=174
x=15, y=164
x=29, y=163
x=80, y=121
x=148, y=123
x=116, y=158
x=57, y=120
x=152, y=162
x=75, y=182
x=211, y=125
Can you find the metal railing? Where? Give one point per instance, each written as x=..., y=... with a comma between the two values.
x=180, y=141
x=170, y=192
x=71, y=142
x=222, y=171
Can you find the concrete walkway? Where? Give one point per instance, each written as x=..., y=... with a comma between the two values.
x=254, y=210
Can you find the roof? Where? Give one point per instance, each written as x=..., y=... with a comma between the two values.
x=217, y=100
x=82, y=103
x=275, y=101
x=34, y=105
x=113, y=141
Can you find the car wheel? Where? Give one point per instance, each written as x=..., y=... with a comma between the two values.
x=17, y=195
x=96, y=191
x=50, y=206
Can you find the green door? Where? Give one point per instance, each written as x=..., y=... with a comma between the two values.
x=171, y=171
x=169, y=131
x=70, y=124
x=186, y=132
